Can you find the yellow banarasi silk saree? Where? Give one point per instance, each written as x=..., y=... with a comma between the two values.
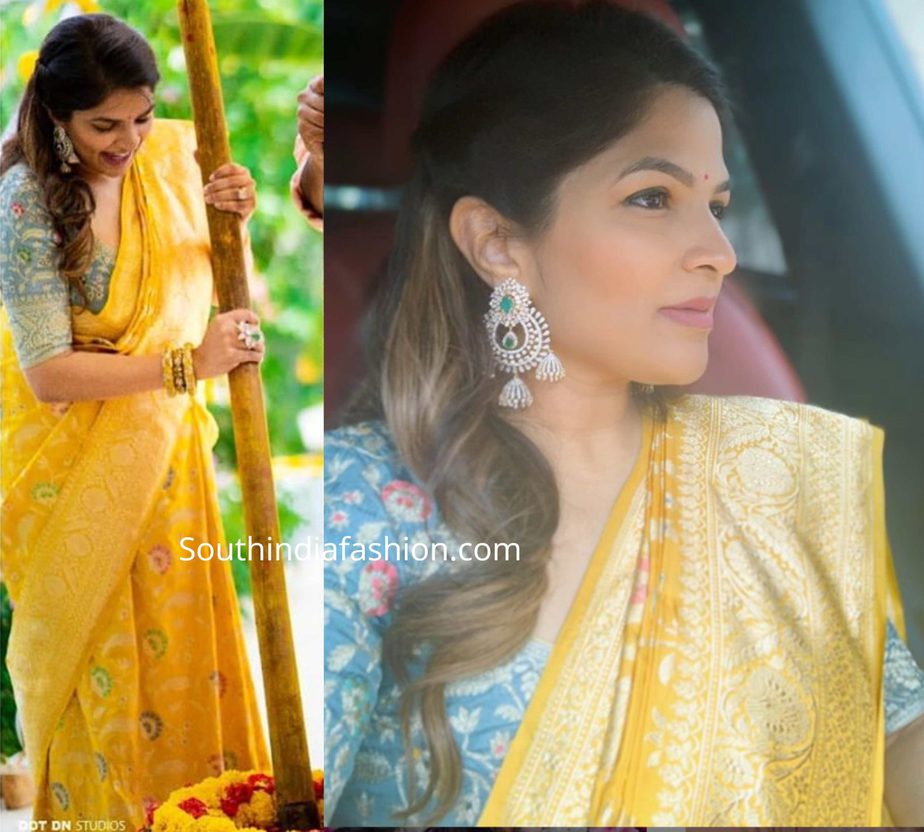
x=722, y=662
x=128, y=665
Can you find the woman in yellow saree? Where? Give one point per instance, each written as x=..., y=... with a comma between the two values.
x=700, y=626
x=128, y=665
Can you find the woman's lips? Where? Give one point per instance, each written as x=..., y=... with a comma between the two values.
x=689, y=317
x=116, y=160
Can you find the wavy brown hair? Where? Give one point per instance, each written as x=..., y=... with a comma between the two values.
x=82, y=60
x=535, y=92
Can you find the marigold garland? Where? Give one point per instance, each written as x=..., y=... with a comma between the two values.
x=236, y=801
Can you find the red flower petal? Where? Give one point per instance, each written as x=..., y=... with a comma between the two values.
x=262, y=783
x=229, y=807
x=195, y=807
x=239, y=792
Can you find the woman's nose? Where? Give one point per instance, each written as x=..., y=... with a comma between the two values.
x=711, y=248
x=130, y=136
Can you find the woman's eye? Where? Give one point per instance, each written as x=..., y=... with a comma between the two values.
x=143, y=120
x=718, y=210
x=651, y=200
x=102, y=129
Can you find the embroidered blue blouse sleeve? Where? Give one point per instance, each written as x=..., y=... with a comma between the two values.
x=35, y=296
x=354, y=514
x=903, y=682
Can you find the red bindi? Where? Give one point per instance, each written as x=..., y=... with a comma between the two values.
x=705, y=176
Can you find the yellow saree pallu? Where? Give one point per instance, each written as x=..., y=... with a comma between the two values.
x=746, y=688
x=128, y=664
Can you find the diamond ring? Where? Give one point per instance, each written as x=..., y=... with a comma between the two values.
x=249, y=334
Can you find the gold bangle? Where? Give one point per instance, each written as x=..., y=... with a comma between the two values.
x=179, y=376
x=167, y=367
x=189, y=369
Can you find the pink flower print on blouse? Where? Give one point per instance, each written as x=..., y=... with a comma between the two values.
x=377, y=586
x=499, y=742
x=17, y=209
x=338, y=519
x=406, y=502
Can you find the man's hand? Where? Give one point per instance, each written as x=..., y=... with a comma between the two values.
x=311, y=132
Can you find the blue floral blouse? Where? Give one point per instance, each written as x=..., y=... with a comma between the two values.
x=370, y=496
x=37, y=300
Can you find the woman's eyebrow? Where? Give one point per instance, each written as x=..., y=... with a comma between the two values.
x=666, y=166
x=117, y=120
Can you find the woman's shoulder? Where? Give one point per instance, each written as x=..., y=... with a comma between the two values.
x=363, y=446
x=766, y=448
x=20, y=192
x=377, y=514
x=363, y=465
x=798, y=418
x=370, y=438
x=28, y=250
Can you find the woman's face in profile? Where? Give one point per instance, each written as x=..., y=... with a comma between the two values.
x=106, y=137
x=636, y=230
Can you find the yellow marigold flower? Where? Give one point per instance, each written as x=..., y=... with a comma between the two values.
x=307, y=370
x=25, y=66
x=169, y=818
x=86, y=6
x=245, y=816
x=256, y=815
x=208, y=823
x=264, y=808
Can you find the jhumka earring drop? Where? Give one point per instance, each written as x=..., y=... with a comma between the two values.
x=64, y=149
x=520, y=340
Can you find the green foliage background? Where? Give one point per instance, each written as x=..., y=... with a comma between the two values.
x=268, y=51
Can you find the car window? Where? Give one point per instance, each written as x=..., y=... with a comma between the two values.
x=748, y=223
x=908, y=19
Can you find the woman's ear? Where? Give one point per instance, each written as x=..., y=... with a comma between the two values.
x=483, y=236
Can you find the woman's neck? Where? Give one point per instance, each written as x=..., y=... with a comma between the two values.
x=581, y=421
x=105, y=185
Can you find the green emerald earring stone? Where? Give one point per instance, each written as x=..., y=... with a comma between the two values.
x=506, y=304
x=509, y=342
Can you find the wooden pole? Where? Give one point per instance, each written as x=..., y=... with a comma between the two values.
x=288, y=742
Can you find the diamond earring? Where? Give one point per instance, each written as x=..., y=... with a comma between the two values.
x=64, y=149
x=520, y=341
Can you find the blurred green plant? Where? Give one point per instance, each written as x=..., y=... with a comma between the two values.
x=268, y=51
x=9, y=742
